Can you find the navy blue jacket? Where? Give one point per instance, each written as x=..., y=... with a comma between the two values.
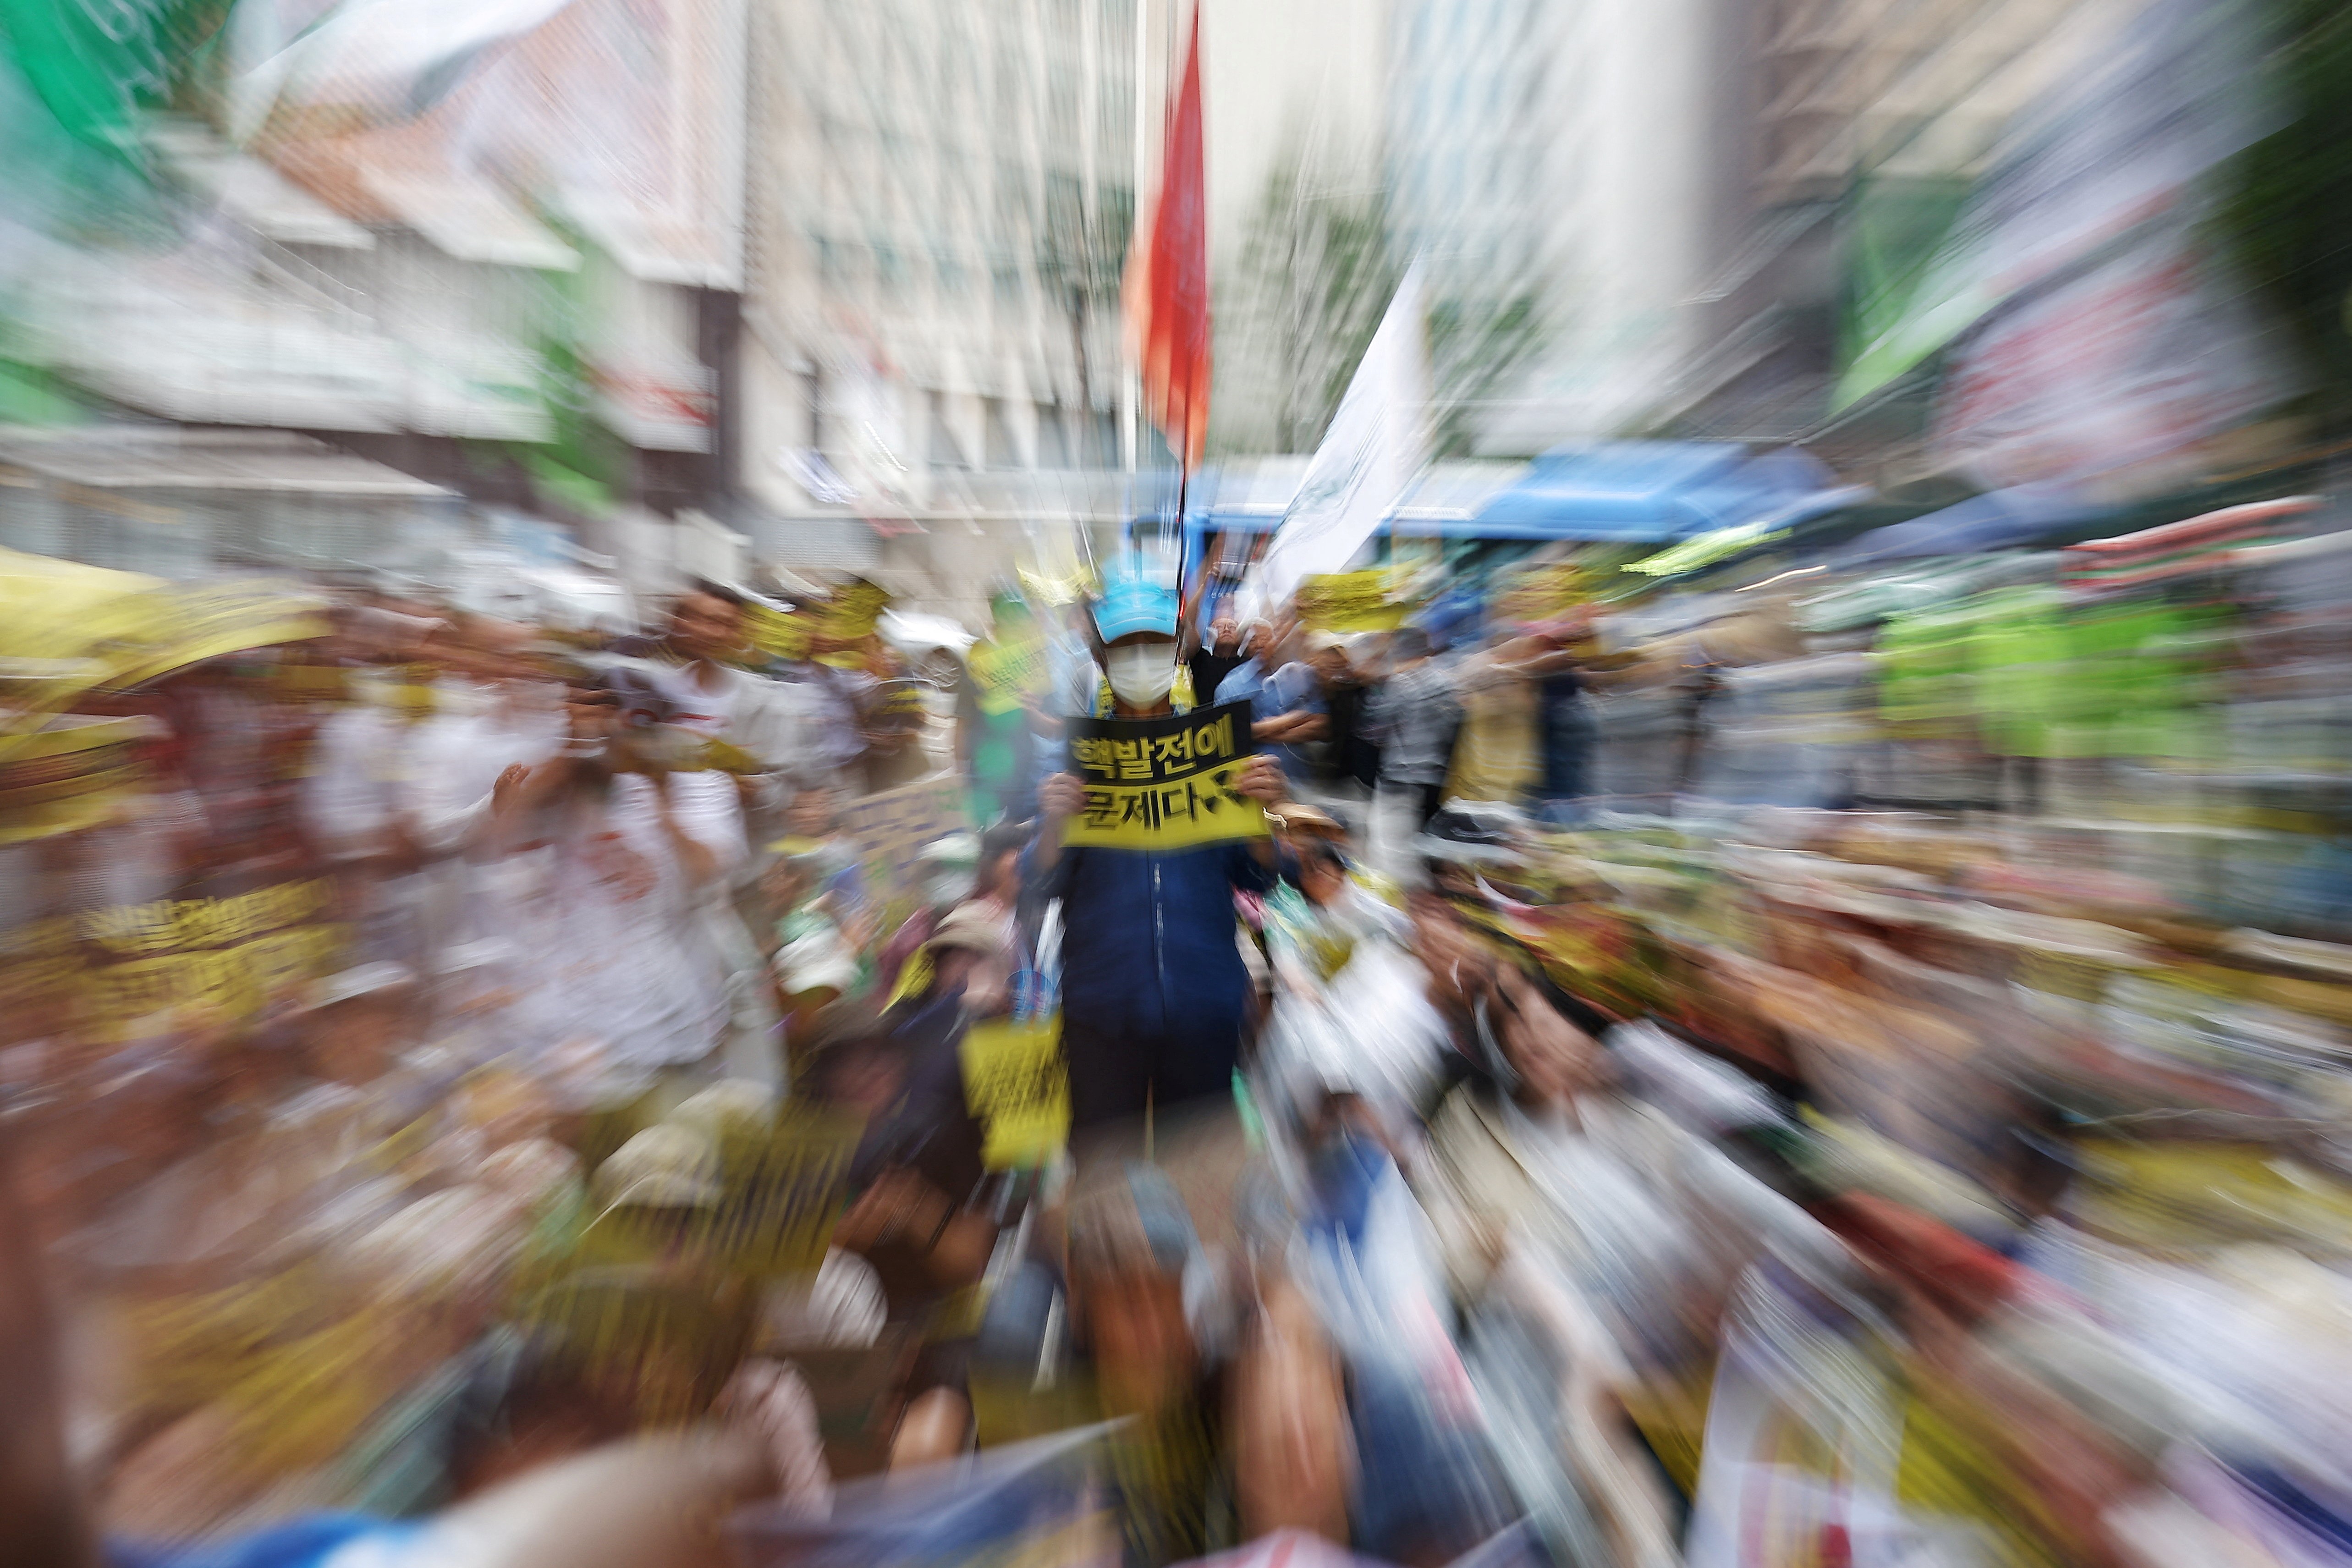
x=1148, y=945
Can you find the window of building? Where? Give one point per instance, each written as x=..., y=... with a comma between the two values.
x=944, y=451
x=1001, y=451
x=1052, y=439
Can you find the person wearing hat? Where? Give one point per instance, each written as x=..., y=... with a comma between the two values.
x=1154, y=990
x=1413, y=718
x=1225, y=648
x=968, y=957
x=669, y=1166
x=1288, y=713
x=1351, y=761
x=944, y=874
x=919, y=1160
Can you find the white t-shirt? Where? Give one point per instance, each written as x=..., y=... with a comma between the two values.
x=707, y=713
x=611, y=928
x=358, y=766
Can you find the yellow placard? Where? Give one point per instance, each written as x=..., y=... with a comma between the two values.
x=1163, y=783
x=845, y=620
x=779, y=634
x=1003, y=673
x=232, y=955
x=781, y=1197
x=1544, y=592
x=1015, y=1082
x=1351, y=601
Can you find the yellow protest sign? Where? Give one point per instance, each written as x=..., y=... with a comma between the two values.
x=783, y=1184
x=845, y=620
x=231, y=955
x=1163, y=783
x=1351, y=601
x=1015, y=1082
x=206, y=620
x=779, y=634
x=1003, y=672
x=780, y=1196
x=66, y=774
x=1544, y=592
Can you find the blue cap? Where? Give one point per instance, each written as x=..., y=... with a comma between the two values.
x=1131, y=604
x=1449, y=618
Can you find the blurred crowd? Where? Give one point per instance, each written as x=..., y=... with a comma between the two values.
x=476, y=1093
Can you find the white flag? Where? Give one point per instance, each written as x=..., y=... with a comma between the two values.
x=1370, y=454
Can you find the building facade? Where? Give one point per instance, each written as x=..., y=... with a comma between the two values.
x=931, y=358
x=1550, y=162
x=1853, y=131
x=507, y=269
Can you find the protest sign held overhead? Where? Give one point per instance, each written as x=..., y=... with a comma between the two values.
x=778, y=633
x=1353, y=602
x=1007, y=671
x=1163, y=783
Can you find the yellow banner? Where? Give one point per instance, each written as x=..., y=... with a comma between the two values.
x=782, y=1185
x=1163, y=783
x=1544, y=592
x=847, y=620
x=1014, y=1080
x=779, y=634
x=1351, y=601
x=1003, y=673
x=233, y=955
x=781, y=1197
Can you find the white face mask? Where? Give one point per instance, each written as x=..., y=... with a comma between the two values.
x=1141, y=676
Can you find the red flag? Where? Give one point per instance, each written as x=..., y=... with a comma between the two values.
x=1168, y=279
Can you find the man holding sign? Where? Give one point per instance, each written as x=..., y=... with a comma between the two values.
x=1145, y=841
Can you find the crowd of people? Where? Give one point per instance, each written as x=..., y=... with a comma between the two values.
x=612, y=877
x=476, y=1096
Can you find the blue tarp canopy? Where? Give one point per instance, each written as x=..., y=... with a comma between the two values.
x=1442, y=500
x=1993, y=520
x=1637, y=492
x=1656, y=492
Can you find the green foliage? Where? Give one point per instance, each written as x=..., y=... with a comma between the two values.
x=1319, y=267
x=1316, y=274
x=1475, y=347
x=2288, y=221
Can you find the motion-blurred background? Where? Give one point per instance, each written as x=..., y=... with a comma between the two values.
x=657, y=287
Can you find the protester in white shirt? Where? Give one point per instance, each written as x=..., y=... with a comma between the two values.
x=711, y=697
x=617, y=867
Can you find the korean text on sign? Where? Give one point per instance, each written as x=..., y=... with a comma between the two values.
x=1163, y=783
